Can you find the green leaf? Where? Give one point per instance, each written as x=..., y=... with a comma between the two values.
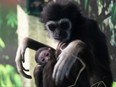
x=114, y=84
x=2, y=44
x=113, y=14
x=10, y=70
x=11, y=19
x=86, y=3
x=9, y=77
x=17, y=80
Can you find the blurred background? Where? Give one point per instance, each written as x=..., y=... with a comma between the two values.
x=8, y=28
x=104, y=11
x=8, y=44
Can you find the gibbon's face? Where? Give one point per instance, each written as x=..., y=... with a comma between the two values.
x=60, y=19
x=60, y=29
x=43, y=57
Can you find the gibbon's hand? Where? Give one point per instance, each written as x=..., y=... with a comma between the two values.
x=65, y=62
x=20, y=58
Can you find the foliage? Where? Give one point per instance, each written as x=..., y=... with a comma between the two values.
x=8, y=35
x=114, y=84
x=9, y=16
x=11, y=19
x=104, y=11
x=8, y=44
x=9, y=77
x=2, y=44
x=86, y=2
x=113, y=14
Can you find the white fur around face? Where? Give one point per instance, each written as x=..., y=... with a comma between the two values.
x=68, y=30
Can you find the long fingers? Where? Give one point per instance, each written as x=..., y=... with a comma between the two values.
x=19, y=65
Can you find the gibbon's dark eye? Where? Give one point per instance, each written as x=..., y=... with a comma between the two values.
x=51, y=25
x=65, y=24
x=46, y=54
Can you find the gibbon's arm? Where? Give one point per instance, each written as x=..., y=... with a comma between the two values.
x=68, y=57
x=19, y=59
